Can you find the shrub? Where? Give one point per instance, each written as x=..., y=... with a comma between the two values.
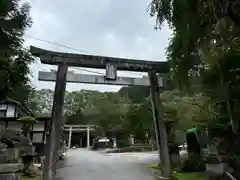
x=122, y=143
x=193, y=164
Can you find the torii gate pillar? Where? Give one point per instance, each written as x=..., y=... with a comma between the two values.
x=88, y=137
x=57, y=115
x=70, y=138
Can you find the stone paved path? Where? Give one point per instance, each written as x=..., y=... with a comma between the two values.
x=82, y=164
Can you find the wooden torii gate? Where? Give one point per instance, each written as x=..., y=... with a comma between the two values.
x=111, y=64
x=77, y=128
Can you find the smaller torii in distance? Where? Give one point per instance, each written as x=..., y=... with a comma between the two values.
x=77, y=128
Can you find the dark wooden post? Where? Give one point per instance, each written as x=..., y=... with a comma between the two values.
x=32, y=131
x=44, y=132
x=57, y=115
x=57, y=142
x=160, y=129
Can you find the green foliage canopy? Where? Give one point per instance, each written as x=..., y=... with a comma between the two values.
x=14, y=58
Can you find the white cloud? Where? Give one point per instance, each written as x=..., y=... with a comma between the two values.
x=106, y=27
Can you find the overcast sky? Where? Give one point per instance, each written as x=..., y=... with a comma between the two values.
x=102, y=27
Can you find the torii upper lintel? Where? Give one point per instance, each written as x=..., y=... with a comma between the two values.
x=99, y=62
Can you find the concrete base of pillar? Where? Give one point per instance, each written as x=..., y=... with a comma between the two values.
x=10, y=176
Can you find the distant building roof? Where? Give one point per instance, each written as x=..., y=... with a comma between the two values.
x=24, y=108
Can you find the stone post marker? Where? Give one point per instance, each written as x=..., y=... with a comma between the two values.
x=13, y=147
x=10, y=165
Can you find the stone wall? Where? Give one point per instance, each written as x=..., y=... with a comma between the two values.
x=14, y=148
x=10, y=163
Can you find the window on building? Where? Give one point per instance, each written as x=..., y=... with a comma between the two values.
x=37, y=137
x=2, y=113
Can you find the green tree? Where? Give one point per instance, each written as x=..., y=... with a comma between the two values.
x=14, y=58
x=204, y=28
x=186, y=111
x=41, y=101
x=106, y=110
x=135, y=94
x=109, y=109
x=205, y=46
x=137, y=121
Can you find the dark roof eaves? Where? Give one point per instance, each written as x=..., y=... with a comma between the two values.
x=23, y=107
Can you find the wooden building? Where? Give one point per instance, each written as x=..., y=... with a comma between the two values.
x=11, y=110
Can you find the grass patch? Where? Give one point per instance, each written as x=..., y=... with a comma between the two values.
x=189, y=176
x=181, y=175
x=31, y=178
x=154, y=166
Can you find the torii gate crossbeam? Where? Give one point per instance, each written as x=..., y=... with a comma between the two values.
x=99, y=62
x=97, y=79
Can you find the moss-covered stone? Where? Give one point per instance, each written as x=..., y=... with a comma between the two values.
x=27, y=119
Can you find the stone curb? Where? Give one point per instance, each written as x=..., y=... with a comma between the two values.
x=12, y=167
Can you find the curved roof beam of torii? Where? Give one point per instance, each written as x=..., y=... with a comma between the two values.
x=99, y=62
